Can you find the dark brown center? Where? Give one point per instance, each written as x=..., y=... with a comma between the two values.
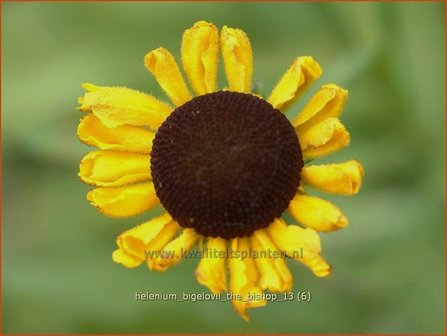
x=226, y=164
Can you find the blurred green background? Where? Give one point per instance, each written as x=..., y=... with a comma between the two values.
x=389, y=264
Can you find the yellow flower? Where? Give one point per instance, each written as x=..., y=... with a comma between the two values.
x=224, y=165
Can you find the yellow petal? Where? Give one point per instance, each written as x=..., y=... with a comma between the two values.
x=316, y=213
x=125, y=201
x=326, y=103
x=238, y=59
x=126, y=260
x=163, y=238
x=322, y=139
x=111, y=169
x=275, y=275
x=164, y=68
x=211, y=271
x=175, y=251
x=300, y=244
x=122, y=138
x=200, y=49
x=301, y=74
x=116, y=106
x=138, y=244
x=243, y=279
x=339, y=178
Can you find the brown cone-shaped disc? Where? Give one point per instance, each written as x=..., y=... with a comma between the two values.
x=226, y=164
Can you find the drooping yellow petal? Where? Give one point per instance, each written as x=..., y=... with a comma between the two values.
x=238, y=59
x=116, y=106
x=211, y=271
x=328, y=102
x=143, y=241
x=322, y=139
x=200, y=50
x=174, y=251
x=122, y=138
x=126, y=260
x=275, y=275
x=301, y=74
x=300, y=244
x=244, y=279
x=316, y=213
x=153, y=249
x=338, y=178
x=161, y=63
x=112, y=169
x=125, y=201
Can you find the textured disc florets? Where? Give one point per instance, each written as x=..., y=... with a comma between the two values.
x=226, y=164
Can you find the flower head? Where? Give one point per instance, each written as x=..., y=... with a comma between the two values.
x=224, y=165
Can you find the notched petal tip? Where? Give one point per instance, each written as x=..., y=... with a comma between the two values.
x=126, y=201
x=200, y=49
x=244, y=279
x=321, y=268
x=274, y=273
x=143, y=242
x=112, y=169
x=300, y=75
x=303, y=245
x=339, y=178
x=214, y=284
x=311, y=66
x=161, y=63
x=211, y=271
x=150, y=59
x=316, y=213
x=127, y=261
x=238, y=59
x=116, y=106
x=175, y=251
x=359, y=172
x=121, y=138
x=80, y=102
x=91, y=87
x=328, y=102
x=324, y=138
